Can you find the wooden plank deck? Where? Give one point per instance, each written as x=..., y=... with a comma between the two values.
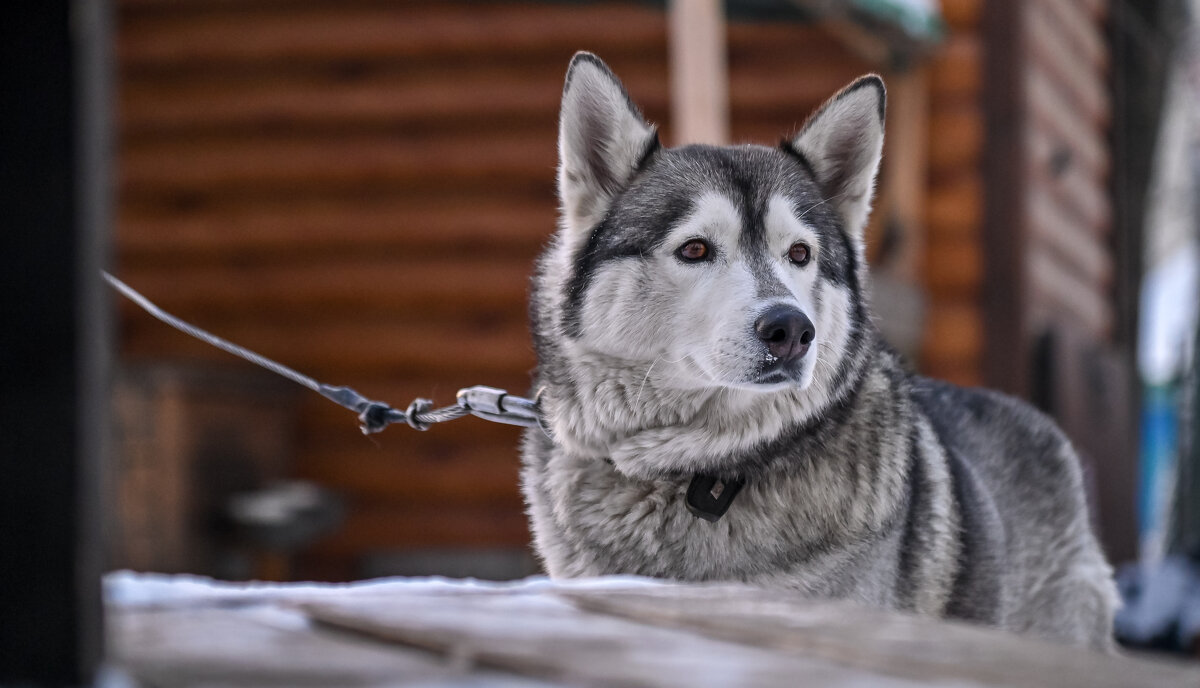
x=605, y=632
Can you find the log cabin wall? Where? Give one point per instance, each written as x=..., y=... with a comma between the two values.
x=359, y=190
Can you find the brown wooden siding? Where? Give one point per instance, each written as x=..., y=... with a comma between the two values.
x=359, y=189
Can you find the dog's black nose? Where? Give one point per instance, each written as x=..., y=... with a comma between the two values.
x=786, y=331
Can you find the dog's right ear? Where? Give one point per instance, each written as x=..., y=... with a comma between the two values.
x=842, y=143
x=602, y=140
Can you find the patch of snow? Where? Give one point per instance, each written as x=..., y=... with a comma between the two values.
x=133, y=589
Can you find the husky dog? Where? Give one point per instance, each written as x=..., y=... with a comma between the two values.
x=701, y=323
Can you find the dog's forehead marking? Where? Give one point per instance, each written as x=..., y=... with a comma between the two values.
x=713, y=215
x=765, y=248
x=785, y=224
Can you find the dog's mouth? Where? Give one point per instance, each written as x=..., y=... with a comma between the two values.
x=780, y=372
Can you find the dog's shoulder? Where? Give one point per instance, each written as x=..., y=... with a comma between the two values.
x=1018, y=451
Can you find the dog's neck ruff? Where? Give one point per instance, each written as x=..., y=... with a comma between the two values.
x=714, y=441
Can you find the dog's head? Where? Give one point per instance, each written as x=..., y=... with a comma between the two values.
x=723, y=267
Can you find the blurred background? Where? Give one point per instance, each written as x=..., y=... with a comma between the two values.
x=359, y=188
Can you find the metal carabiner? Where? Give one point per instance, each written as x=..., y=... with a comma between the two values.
x=497, y=405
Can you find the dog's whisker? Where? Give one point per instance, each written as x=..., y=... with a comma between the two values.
x=670, y=375
x=820, y=203
x=646, y=377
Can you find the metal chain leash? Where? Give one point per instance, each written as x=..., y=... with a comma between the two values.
x=481, y=401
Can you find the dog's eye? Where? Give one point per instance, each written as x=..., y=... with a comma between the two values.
x=799, y=253
x=694, y=251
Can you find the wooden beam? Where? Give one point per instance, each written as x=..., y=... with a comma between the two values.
x=906, y=168
x=699, y=72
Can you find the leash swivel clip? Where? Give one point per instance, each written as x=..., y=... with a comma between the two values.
x=498, y=406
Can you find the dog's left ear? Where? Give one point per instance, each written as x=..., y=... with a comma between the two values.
x=602, y=140
x=843, y=143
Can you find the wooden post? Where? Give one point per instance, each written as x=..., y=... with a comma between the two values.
x=1006, y=346
x=699, y=73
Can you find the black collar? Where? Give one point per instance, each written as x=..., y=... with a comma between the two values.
x=709, y=497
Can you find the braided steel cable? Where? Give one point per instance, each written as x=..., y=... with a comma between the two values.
x=373, y=416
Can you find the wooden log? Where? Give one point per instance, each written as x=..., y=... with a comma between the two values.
x=385, y=97
x=294, y=164
x=958, y=142
x=953, y=266
x=956, y=69
x=768, y=129
x=962, y=16
x=955, y=209
x=953, y=331
x=779, y=73
x=792, y=93
x=232, y=35
x=372, y=288
x=328, y=225
x=332, y=347
x=964, y=372
x=470, y=96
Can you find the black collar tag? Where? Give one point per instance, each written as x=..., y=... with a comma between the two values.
x=709, y=497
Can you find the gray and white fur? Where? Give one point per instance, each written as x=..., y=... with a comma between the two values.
x=863, y=481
